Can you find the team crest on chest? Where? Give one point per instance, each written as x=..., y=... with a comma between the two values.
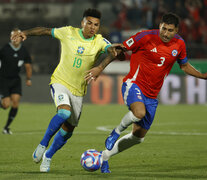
x=174, y=52
x=80, y=50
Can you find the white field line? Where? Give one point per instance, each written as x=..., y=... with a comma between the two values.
x=103, y=129
x=108, y=129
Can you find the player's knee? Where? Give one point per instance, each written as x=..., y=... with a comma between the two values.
x=5, y=105
x=15, y=104
x=64, y=113
x=139, y=114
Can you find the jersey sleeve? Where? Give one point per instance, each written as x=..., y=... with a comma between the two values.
x=105, y=44
x=59, y=32
x=135, y=42
x=182, y=58
x=27, y=58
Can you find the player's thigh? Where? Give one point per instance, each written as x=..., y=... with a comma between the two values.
x=134, y=99
x=76, y=109
x=15, y=98
x=65, y=99
x=147, y=120
x=138, y=109
x=138, y=131
x=60, y=96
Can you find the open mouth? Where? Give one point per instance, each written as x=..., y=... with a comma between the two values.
x=165, y=38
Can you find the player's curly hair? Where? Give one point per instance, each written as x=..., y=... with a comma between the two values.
x=92, y=12
x=170, y=18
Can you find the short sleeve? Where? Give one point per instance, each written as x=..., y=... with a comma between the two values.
x=182, y=58
x=105, y=44
x=27, y=58
x=135, y=41
x=59, y=32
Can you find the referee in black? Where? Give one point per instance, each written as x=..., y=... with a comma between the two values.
x=12, y=57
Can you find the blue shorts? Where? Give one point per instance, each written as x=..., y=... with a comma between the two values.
x=132, y=93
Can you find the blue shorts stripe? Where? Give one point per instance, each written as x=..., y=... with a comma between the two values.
x=53, y=91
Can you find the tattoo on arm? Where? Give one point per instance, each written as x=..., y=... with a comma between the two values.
x=108, y=59
x=38, y=31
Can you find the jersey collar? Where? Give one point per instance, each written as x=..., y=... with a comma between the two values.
x=14, y=48
x=81, y=35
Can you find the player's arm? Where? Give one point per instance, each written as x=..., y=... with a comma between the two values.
x=38, y=31
x=28, y=68
x=189, y=69
x=114, y=52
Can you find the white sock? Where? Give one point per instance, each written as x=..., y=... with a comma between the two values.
x=122, y=144
x=127, y=120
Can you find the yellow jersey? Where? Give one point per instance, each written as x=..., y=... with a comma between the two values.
x=77, y=56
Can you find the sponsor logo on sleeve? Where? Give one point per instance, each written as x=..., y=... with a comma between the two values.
x=130, y=42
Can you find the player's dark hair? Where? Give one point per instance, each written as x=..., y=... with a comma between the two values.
x=92, y=12
x=15, y=29
x=170, y=18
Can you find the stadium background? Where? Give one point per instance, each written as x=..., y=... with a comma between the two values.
x=120, y=19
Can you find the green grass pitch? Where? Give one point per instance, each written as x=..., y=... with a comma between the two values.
x=174, y=148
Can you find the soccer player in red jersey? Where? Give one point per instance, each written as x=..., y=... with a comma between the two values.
x=153, y=54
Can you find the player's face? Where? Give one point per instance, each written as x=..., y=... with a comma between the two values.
x=18, y=41
x=167, y=32
x=90, y=26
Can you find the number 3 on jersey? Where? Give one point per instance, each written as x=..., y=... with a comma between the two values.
x=77, y=62
x=162, y=61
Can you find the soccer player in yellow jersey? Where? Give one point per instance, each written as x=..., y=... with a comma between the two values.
x=80, y=48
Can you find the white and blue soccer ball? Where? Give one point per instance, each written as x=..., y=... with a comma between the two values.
x=91, y=160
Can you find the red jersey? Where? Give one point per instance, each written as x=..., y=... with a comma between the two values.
x=152, y=60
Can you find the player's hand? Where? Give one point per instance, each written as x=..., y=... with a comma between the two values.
x=19, y=34
x=28, y=82
x=205, y=76
x=93, y=74
x=119, y=50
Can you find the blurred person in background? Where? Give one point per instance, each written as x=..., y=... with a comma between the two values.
x=12, y=56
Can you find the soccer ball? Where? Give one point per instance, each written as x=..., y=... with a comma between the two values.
x=91, y=160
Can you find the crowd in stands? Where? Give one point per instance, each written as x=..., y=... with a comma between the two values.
x=146, y=14
x=118, y=18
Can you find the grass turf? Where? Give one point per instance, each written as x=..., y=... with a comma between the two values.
x=174, y=148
